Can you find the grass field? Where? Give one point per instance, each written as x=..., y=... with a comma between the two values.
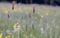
x=44, y=23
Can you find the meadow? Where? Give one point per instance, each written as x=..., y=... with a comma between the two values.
x=23, y=23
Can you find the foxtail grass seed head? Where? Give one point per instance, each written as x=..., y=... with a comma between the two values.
x=33, y=9
x=13, y=3
x=8, y=15
x=18, y=26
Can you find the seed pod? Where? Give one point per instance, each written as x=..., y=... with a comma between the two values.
x=13, y=3
x=33, y=9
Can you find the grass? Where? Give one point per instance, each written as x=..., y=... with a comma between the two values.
x=41, y=25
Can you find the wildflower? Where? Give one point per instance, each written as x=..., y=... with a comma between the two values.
x=17, y=23
x=16, y=29
x=8, y=31
x=42, y=30
x=7, y=37
x=18, y=26
x=14, y=26
x=1, y=35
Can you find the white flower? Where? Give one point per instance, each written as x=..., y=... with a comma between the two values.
x=8, y=31
x=16, y=29
x=42, y=30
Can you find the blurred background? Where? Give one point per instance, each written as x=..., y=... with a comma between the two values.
x=48, y=2
x=30, y=19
